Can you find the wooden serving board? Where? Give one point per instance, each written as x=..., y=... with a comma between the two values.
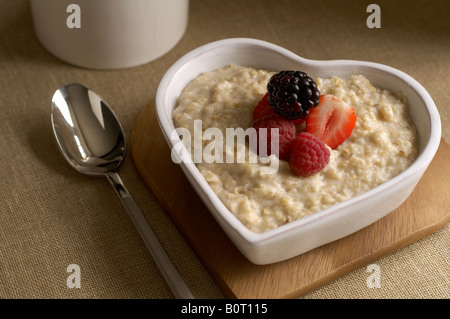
x=424, y=212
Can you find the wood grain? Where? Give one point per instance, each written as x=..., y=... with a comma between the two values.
x=423, y=213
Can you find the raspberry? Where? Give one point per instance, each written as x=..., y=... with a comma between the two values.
x=286, y=134
x=309, y=155
x=292, y=94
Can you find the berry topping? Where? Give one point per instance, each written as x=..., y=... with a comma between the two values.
x=286, y=133
x=292, y=94
x=262, y=109
x=332, y=121
x=309, y=155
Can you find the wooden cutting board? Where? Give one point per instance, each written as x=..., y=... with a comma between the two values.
x=425, y=211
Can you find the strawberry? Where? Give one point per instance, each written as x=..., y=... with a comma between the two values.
x=332, y=120
x=298, y=121
x=263, y=109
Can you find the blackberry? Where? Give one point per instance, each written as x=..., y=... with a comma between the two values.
x=292, y=94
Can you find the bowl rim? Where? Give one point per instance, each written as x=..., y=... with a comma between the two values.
x=253, y=238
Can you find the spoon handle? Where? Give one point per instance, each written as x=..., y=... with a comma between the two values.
x=162, y=259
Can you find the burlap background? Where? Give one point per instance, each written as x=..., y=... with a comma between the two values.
x=52, y=216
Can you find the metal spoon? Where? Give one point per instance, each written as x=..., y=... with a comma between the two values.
x=91, y=139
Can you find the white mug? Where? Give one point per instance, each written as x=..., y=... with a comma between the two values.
x=109, y=34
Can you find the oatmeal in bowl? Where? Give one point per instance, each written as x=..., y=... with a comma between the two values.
x=367, y=144
x=382, y=144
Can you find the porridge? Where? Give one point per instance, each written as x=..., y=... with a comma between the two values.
x=381, y=145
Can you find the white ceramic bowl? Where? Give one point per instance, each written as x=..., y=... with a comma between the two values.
x=334, y=222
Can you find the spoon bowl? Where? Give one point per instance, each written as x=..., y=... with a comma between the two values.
x=87, y=131
x=92, y=141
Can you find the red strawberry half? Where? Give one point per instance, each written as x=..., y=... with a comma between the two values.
x=263, y=109
x=332, y=120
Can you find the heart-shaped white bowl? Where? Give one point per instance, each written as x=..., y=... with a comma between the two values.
x=337, y=221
